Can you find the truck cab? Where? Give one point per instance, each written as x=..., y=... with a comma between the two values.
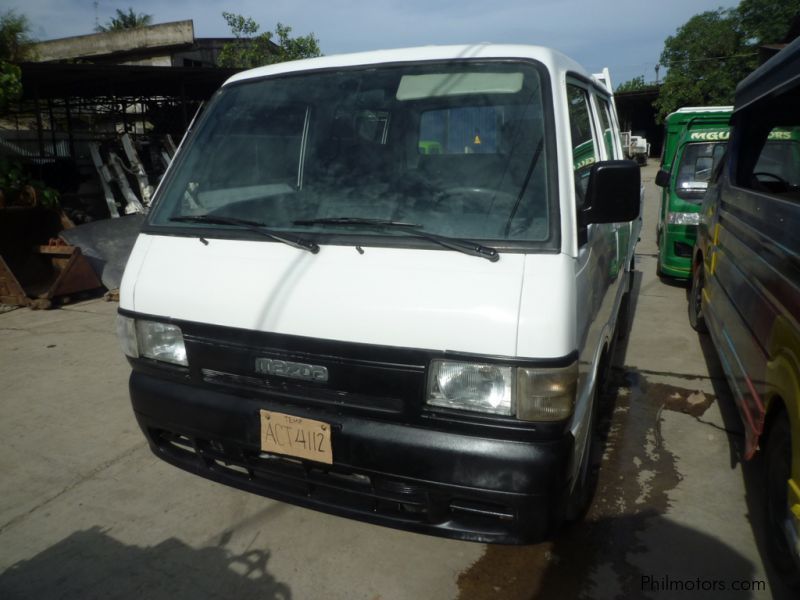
x=695, y=139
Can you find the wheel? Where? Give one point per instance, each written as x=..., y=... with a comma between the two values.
x=696, y=318
x=778, y=471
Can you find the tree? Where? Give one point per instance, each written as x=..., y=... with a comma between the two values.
x=706, y=58
x=252, y=49
x=632, y=85
x=125, y=20
x=767, y=21
x=10, y=84
x=15, y=39
x=15, y=43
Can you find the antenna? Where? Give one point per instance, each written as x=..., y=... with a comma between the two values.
x=96, y=17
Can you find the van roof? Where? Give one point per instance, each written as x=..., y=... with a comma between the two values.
x=779, y=74
x=554, y=60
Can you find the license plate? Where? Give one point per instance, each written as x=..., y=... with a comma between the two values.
x=296, y=436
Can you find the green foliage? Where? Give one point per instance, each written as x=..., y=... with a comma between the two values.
x=10, y=85
x=304, y=46
x=767, y=21
x=125, y=20
x=713, y=51
x=15, y=40
x=632, y=85
x=15, y=43
x=706, y=58
x=19, y=187
x=251, y=49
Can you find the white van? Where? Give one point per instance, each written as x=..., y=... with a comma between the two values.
x=385, y=286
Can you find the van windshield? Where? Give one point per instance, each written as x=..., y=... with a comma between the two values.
x=463, y=149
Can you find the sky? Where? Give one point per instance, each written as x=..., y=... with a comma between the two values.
x=625, y=35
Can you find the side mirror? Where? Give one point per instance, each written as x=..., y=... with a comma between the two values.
x=662, y=178
x=613, y=194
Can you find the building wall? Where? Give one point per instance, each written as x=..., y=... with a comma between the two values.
x=139, y=43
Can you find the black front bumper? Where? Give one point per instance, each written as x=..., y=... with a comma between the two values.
x=410, y=477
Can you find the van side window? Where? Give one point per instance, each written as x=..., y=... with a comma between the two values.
x=771, y=163
x=608, y=132
x=584, y=152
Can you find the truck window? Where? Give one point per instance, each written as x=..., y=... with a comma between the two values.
x=584, y=152
x=608, y=131
x=773, y=165
x=697, y=163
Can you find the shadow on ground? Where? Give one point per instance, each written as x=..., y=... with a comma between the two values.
x=92, y=564
x=753, y=469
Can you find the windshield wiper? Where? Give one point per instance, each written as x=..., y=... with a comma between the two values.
x=457, y=244
x=255, y=226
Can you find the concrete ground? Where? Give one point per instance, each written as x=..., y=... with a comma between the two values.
x=86, y=511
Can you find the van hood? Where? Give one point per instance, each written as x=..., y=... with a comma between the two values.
x=429, y=299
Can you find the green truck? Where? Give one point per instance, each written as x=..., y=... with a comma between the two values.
x=695, y=139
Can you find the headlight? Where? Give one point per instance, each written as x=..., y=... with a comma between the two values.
x=683, y=218
x=471, y=386
x=528, y=394
x=151, y=339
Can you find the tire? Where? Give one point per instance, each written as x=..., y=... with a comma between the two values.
x=778, y=470
x=696, y=318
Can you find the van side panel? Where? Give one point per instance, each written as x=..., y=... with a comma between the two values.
x=598, y=287
x=752, y=293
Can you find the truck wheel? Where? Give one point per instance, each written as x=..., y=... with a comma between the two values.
x=778, y=471
x=696, y=318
